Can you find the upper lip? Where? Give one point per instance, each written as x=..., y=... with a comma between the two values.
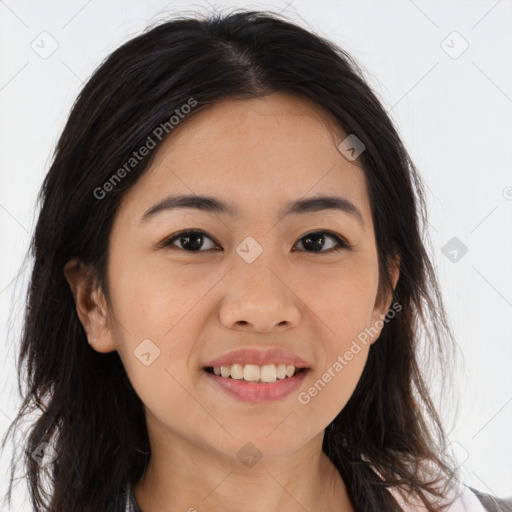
x=259, y=357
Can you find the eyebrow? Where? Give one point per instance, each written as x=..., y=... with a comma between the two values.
x=214, y=205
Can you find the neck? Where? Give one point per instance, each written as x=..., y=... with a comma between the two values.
x=189, y=477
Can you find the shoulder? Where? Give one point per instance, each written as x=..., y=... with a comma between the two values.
x=471, y=499
x=492, y=503
x=457, y=498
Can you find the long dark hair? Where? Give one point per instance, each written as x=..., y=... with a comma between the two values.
x=87, y=410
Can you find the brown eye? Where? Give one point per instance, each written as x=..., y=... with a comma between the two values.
x=190, y=241
x=319, y=240
x=315, y=242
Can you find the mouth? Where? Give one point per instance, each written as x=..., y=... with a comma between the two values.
x=247, y=383
x=255, y=374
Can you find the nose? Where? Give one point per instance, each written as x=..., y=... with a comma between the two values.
x=258, y=299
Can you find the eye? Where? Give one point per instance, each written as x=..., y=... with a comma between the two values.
x=192, y=241
x=316, y=241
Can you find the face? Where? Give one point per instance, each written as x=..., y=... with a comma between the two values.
x=249, y=276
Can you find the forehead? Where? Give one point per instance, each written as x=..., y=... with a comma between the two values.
x=268, y=150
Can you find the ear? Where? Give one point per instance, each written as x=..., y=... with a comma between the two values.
x=91, y=305
x=382, y=304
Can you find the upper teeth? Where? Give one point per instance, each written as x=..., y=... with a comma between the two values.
x=253, y=372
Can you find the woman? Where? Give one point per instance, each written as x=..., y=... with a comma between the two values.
x=229, y=286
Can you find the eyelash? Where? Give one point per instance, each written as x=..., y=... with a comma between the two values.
x=342, y=244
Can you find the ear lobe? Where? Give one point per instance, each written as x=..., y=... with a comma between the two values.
x=90, y=305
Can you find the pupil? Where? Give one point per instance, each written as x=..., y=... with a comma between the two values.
x=194, y=246
x=318, y=241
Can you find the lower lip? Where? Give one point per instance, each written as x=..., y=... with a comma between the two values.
x=258, y=393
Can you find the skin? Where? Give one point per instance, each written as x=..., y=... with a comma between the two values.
x=195, y=306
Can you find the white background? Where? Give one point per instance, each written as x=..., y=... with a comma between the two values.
x=455, y=118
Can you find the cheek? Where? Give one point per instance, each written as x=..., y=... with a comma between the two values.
x=327, y=392
x=151, y=300
x=155, y=326
x=342, y=298
x=344, y=306
x=160, y=372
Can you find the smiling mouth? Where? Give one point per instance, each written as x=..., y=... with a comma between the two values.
x=255, y=374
